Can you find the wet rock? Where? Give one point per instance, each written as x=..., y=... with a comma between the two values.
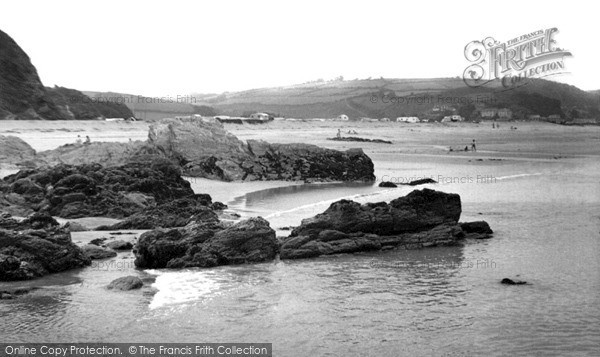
x=423, y=218
x=420, y=182
x=364, y=140
x=207, y=244
x=35, y=247
x=76, y=227
x=218, y=206
x=176, y=213
x=508, y=281
x=119, y=245
x=92, y=190
x=97, y=241
x=477, y=229
x=14, y=293
x=95, y=252
x=126, y=283
x=387, y=184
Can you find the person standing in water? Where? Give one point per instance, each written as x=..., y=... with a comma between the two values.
x=473, y=146
x=339, y=134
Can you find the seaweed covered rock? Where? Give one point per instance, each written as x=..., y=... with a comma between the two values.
x=420, y=219
x=93, y=190
x=36, y=247
x=207, y=243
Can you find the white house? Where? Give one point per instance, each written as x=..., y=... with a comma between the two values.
x=384, y=119
x=452, y=118
x=408, y=119
x=261, y=116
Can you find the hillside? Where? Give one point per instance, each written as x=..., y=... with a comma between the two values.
x=23, y=96
x=378, y=98
x=151, y=108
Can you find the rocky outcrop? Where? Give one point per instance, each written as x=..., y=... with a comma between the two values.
x=119, y=245
x=206, y=149
x=477, y=229
x=35, y=247
x=360, y=140
x=14, y=150
x=423, y=181
x=176, y=213
x=92, y=190
x=420, y=219
x=508, y=281
x=207, y=243
x=22, y=95
x=203, y=148
x=103, y=153
x=125, y=283
x=387, y=184
x=95, y=252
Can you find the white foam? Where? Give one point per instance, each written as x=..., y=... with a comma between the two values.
x=177, y=287
x=312, y=206
x=517, y=176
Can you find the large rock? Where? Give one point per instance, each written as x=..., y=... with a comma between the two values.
x=203, y=148
x=126, y=283
x=14, y=150
x=176, y=213
x=207, y=244
x=92, y=190
x=206, y=149
x=307, y=162
x=95, y=252
x=119, y=245
x=421, y=219
x=35, y=247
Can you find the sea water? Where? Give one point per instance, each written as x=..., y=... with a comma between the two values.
x=444, y=301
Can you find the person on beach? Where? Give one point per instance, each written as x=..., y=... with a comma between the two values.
x=493, y=126
x=78, y=141
x=339, y=134
x=473, y=146
x=87, y=140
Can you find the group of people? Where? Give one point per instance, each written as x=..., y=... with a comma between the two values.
x=497, y=126
x=350, y=131
x=87, y=140
x=473, y=147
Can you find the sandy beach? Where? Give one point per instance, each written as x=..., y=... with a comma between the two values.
x=412, y=144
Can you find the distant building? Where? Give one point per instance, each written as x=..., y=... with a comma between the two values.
x=259, y=116
x=502, y=113
x=384, y=119
x=407, y=119
x=534, y=117
x=452, y=118
x=343, y=117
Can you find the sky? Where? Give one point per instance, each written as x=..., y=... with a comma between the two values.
x=176, y=47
